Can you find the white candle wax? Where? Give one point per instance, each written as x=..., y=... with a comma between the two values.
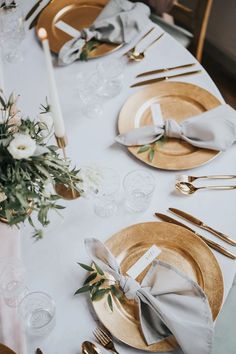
x=1, y=72
x=59, y=127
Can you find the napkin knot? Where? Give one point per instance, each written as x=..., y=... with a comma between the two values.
x=172, y=129
x=129, y=286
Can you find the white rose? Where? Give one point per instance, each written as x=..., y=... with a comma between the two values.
x=46, y=119
x=2, y=196
x=22, y=146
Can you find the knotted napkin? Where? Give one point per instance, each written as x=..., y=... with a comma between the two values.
x=119, y=22
x=214, y=129
x=169, y=302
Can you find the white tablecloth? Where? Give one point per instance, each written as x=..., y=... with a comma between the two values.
x=51, y=262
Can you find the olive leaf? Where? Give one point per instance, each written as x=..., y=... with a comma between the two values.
x=98, y=269
x=144, y=148
x=84, y=289
x=99, y=294
x=151, y=154
x=90, y=278
x=86, y=267
x=110, y=303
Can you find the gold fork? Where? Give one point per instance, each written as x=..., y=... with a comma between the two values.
x=133, y=50
x=186, y=178
x=104, y=339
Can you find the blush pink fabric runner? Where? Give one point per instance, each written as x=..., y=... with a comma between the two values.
x=11, y=331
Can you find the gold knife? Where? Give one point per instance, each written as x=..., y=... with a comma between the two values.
x=152, y=81
x=31, y=11
x=152, y=72
x=210, y=243
x=202, y=225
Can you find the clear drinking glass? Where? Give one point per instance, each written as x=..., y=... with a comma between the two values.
x=106, y=193
x=88, y=88
x=37, y=310
x=111, y=73
x=12, y=281
x=139, y=186
x=12, y=33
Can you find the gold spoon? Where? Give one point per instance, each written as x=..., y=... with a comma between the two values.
x=189, y=188
x=138, y=56
x=90, y=348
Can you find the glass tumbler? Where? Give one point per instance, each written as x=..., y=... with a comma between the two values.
x=139, y=186
x=111, y=73
x=106, y=193
x=12, y=281
x=88, y=87
x=37, y=310
x=12, y=33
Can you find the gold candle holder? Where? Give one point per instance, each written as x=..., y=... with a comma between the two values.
x=63, y=191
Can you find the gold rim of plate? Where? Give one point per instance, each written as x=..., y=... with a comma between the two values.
x=180, y=248
x=179, y=101
x=78, y=14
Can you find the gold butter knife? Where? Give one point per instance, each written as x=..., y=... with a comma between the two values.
x=202, y=225
x=210, y=243
x=158, y=71
x=152, y=81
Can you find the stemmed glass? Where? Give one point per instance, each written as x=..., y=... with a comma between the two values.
x=12, y=33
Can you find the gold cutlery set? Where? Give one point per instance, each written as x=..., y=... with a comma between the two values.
x=203, y=226
x=103, y=338
x=184, y=183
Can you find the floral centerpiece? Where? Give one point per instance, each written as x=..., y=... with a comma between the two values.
x=30, y=167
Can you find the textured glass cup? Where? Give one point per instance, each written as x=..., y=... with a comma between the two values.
x=37, y=310
x=12, y=33
x=139, y=186
x=12, y=281
x=88, y=87
x=111, y=74
x=106, y=193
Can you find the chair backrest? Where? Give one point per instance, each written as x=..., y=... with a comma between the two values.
x=193, y=15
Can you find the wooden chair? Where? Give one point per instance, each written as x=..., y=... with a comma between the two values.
x=190, y=23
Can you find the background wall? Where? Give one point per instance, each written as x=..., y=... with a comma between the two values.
x=221, y=34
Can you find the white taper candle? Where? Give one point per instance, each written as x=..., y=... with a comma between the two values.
x=59, y=126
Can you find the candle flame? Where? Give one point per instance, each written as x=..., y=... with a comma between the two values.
x=42, y=34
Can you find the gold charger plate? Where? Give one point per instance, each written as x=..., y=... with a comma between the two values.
x=179, y=101
x=5, y=350
x=78, y=14
x=180, y=248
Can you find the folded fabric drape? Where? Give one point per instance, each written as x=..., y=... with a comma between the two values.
x=11, y=330
x=119, y=22
x=214, y=129
x=160, y=6
x=169, y=302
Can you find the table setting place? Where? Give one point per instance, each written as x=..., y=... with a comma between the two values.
x=110, y=241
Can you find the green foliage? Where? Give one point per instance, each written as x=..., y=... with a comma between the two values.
x=88, y=47
x=98, y=289
x=151, y=149
x=25, y=182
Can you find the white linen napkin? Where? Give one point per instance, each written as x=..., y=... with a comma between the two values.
x=214, y=129
x=169, y=302
x=119, y=22
x=11, y=331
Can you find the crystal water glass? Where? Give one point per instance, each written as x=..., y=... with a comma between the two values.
x=88, y=87
x=139, y=186
x=37, y=310
x=12, y=281
x=111, y=75
x=107, y=192
x=12, y=33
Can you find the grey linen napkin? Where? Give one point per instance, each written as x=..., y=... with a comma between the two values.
x=214, y=129
x=119, y=22
x=169, y=302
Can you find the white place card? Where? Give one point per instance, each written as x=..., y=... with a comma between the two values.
x=71, y=31
x=148, y=257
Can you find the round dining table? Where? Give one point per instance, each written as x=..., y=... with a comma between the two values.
x=51, y=263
